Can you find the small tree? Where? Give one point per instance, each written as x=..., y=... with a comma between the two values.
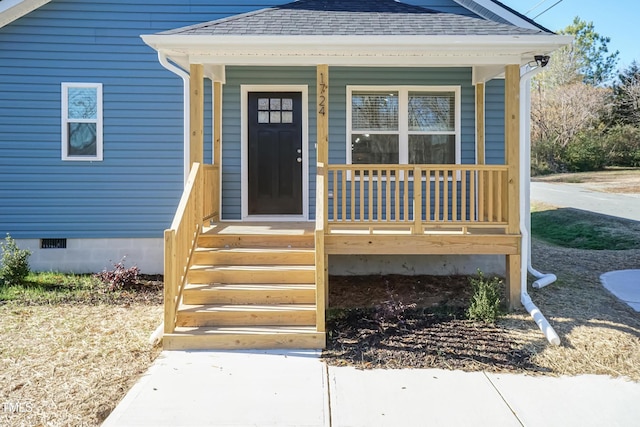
x=587, y=59
x=15, y=263
x=626, y=101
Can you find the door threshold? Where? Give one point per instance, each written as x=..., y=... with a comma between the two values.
x=275, y=218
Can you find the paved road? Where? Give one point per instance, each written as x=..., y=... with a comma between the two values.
x=578, y=197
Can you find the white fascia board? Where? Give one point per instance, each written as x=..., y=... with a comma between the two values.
x=10, y=10
x=503, y=13
x=357, y=50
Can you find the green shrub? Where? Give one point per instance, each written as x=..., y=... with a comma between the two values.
x=586, y=153
x=547, y=157
x=486, y=304
x=622, y=145
x=15, y=263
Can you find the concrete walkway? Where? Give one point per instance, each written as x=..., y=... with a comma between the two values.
x=295, y=388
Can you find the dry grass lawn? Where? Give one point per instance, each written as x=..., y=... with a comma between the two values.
x=599, y=333
x=69, y=365
x=610, y=181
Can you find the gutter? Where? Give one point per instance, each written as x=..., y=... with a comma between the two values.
x=525, y=220
x=162, y=57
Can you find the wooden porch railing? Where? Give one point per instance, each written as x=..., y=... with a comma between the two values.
x=392, y=196
x=200, y=201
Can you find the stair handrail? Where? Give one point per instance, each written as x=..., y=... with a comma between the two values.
x=180, y=242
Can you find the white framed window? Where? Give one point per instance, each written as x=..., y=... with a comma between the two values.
x=403, y=124
x=82, y=121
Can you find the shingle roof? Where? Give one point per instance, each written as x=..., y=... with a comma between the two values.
x=353, y=18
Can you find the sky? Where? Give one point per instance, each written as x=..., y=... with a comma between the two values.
x=616, y=19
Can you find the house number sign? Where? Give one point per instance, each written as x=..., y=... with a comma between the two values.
x=322, y=99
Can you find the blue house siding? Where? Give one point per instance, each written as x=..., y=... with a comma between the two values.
x=494, y=131
x=135, y=190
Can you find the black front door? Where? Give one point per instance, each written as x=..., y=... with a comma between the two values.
x=275, y=153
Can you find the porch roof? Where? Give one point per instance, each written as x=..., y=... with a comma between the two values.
x=355, y=33
x=351, y=18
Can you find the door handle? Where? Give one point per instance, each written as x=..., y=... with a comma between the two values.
x=299, y=150
x=299, y=159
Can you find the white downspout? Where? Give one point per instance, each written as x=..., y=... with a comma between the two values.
x=525, y=171
x=525, y=137
x=156, y=336
x=186, y=112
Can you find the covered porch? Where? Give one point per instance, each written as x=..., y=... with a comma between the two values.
x=365, y=209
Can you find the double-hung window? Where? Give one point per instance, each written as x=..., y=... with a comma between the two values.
x=403, y=125
x=82, y=121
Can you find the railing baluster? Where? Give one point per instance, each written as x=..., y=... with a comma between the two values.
x=344, y=195
x=333, y=189
x=489, y=196
x=454, y=195
x=353, y=195
x=405, y=184
x=372, y=181
x=417, y=200
x=445, y=195
x=498, y=196
x=481, y=199
x=436, y=196
x=463, y=195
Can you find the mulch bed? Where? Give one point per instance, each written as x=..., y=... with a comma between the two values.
x=414, y=322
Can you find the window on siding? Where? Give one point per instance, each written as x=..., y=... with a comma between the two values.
x=82, y=121
x=405, y=125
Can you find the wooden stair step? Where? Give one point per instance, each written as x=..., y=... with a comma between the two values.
x=248, y=314
x=199, y=274
x=249, y=293
x=254, y=256
x=235, y=337
x=256, y=240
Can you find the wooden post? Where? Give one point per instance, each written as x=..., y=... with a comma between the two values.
x=170, y=284
x=196, y=88
x=512, y=144
x=322, y=123
x=513, y=263
x=322, y=197
x=217, y=146
x=512, y=156
x=217, y=123
x=480, y=124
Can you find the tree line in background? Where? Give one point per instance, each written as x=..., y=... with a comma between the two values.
x=585, y=115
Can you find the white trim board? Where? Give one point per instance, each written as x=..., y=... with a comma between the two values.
x=10, y=10
x=244, y=149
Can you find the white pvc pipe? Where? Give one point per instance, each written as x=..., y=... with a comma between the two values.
x=525, y=153
x=156, y=336
x=544, y=279
x=185, y=105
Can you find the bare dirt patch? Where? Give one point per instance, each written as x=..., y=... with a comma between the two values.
x=600, y=334
x=625, y=181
